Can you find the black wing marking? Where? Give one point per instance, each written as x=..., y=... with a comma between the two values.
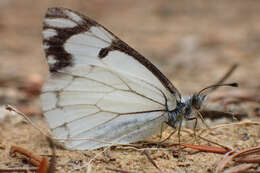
x=60, y=58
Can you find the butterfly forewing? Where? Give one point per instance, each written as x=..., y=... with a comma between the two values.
x=99, y=88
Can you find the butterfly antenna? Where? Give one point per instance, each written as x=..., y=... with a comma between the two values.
x=225, y=77
x=218, y=85
x=220, y=82
x=228, y=74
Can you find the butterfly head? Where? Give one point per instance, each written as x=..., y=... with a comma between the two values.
x=186, y=108
x=192, y=104
x=197, y=99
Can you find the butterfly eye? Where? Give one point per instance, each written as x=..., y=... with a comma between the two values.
x=196, y=101
x=187, y=110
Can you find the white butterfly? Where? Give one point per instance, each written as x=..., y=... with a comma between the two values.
x=100, y=88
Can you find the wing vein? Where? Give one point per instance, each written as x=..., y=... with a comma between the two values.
x=83, y=44
x=103, y=123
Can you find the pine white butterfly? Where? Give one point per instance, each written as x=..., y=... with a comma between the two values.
x=100, y=89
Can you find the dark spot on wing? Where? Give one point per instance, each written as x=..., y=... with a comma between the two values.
x=103, y=52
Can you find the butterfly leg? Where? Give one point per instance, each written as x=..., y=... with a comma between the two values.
x=202, y=119
x=41, y=163
x=195, y=125
x=179, y=133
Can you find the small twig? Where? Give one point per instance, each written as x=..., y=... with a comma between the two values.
x=31, y=157
x=222, y=164
x=35, y=160
x=36, y=126
x=141, y=149
x=119, y=170
x=41, y=163
x=207, y=148
x=44, y=166
x=248, y=151
x=240, y=168
x=249, y=159
x=212, y=142
x=227, y=158
x=147, y=154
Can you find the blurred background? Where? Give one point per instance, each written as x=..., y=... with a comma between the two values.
x=192, y=42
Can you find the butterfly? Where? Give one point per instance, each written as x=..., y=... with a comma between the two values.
x=99, y=90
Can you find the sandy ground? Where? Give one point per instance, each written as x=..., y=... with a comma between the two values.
x=193, y=43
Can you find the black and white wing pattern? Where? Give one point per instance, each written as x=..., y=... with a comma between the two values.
x=99, y=90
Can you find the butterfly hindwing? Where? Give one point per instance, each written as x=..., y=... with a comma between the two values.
x=99, y=87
